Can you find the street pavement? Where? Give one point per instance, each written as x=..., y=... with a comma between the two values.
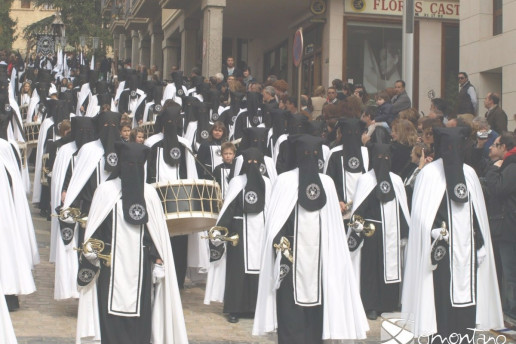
x=43, y=320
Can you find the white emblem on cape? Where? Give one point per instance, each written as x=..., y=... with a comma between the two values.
x=284, y=270
x=175, y=153
x=256, y=120
x=137, y=212
x=67, y=233
x=112, y=159
x=215, y=255
x=353, y=163
x=205, y=134
x=158, y=108
x=133, y=94
x=385, y=187
x=251, y=197
x=320, y=164
x=218, y=152
x=263, y=169
x=7, y=107
x=180, y=92
x=215, y=116
x=313, y=191
x=460, y=191
x=86, y=275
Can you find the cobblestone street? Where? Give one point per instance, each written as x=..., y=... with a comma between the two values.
x=42, y=320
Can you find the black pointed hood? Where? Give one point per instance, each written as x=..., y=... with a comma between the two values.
x=381, y=157
x=304, y=153
x=351, y=130
x=254, y=197
x=83, y=130
x=108, y=129
x=449, y=144
x=254, y=137
x=170, y=118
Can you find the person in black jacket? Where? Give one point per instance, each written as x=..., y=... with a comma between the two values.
x=499, y=181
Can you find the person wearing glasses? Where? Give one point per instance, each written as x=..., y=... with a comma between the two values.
x=468, y=100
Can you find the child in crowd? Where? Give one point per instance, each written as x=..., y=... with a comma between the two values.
x=125, y=131
x=384, y=109
x=137, y=135
x=222, y=172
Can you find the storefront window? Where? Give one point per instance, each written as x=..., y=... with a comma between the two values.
x=276, y=62
x=373, y=55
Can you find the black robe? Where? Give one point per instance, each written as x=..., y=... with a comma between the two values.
x=117, y=329
x=296, y=324
x=179, y=243
x=241, y=289
x=452, y=319
x=205, y=158
x=376, y=294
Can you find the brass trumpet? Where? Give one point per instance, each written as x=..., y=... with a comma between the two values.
x=367, y=230
x=284, y=247
x=96, y=246
x=73, y=213
x=224, y=232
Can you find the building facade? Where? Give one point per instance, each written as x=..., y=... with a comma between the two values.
x=488, y=52
x=358, y=41
x=24, y=12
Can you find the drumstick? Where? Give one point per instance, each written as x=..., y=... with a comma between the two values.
x=200, y=163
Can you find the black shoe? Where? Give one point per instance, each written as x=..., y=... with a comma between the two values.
x=371, y=315
x=13, y=303
x=233, y=318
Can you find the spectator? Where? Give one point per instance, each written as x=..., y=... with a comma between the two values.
x=269, y=97
x=318, y=101
x=496, y=117
x=248, y=78
x=339, y=86
x=231, y=69
x=499, y=181
x=137, y=135
x=401, y=100
x=331, y=96
x=384, y=113
x=361, y=93
x=468, y=100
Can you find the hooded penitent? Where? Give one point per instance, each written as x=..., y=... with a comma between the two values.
x=279, y=120
x=170, y=119
x=235, y=105
x=254, y=137
x=201, y=113
x=304, y=152
x=254, y=198
x=6, y=114
x=131, y=171
x=177, y=78
x=297, y=124
x=83, y=130
x=108, y=129
x=381, y=162
x=214, y=100
x=351, y=130
x=253, y=108
x=449, y=145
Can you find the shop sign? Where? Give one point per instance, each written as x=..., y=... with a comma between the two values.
x=423, y=9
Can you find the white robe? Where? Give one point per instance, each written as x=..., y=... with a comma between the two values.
x=66, y=264
x=18, y=247
x=366, y=184
x=418, y=289
x=168, y=325
x=216, y=282
x=343, y=313
x=7, y=335
x=42, y=138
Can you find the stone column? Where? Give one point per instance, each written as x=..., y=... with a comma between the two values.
x=121, y=46
x=212, y=36
x=116, y=43
x=333, y=37
x=170, y=57
x=145, y=51
x=135, y=52
x=188, y=44
x=156, y=52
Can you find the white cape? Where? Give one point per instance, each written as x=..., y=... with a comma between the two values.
x=418, y=289
x=343, y=312
x=42, y=138
x=66, y=263
x=7, y=335
x=216, y=282
x=168, y=325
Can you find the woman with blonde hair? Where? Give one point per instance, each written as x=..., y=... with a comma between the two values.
x=318, y=101
x=25, y=95
x=404, y=137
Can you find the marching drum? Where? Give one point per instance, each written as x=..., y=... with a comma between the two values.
x=190, y=205
x=32, y=133
x=148, y=128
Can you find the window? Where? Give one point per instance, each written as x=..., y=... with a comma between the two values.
x=497, y=17
x=373, y=55
x=275, y=62
x=25, y=3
